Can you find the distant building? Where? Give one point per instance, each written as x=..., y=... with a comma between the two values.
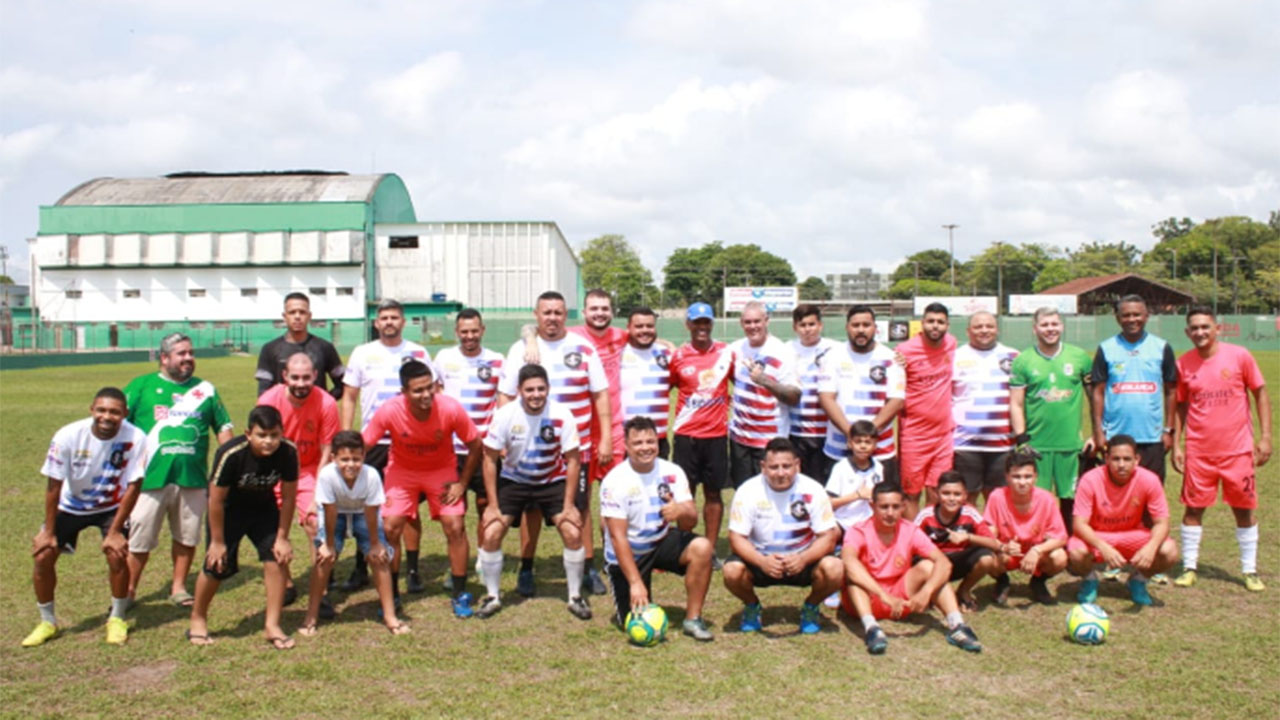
x=862, y=285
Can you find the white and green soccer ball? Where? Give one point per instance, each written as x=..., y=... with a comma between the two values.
x=648, y=627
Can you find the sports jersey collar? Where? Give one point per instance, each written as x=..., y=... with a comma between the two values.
x=1061, y=346
x=1120, y=338
x=937, y=515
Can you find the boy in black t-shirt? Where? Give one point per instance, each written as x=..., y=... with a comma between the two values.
x=242, y=504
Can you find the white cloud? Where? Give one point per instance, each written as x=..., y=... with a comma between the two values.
x=411, y=98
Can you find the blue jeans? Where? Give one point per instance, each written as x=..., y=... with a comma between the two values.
x=359, y=530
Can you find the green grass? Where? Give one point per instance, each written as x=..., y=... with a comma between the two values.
x=1210, y=651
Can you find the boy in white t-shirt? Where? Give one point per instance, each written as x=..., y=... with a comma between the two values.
x=349, y=496
x=851, y=481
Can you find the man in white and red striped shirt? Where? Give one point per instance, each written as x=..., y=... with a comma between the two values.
x=808, y=419
x=980, y=406
x=644, y=375
x=764, y=385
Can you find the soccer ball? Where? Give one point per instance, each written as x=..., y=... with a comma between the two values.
x=648, y=628
x=1088, y=624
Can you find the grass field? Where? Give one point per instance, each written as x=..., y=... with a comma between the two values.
x=1213, y=650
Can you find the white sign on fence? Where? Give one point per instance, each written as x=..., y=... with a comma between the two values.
x=775, y=299
x=959, y=305
x=1028, y=304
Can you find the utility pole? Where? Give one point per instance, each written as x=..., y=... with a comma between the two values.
x=916, y=291
x=999, y=276
x=1175, y=263
x=951, y=251
x=1235, y=285
x=4, y=270
x=1215, y=275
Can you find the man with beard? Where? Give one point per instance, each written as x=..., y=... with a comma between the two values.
x=178, y=411
x=298, y=339
x=925, y=424
x=808, y=419
x=980, y=406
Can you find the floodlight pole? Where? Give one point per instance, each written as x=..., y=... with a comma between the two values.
x=951, y=252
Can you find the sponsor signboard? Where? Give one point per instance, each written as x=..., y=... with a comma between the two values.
x=775, y=299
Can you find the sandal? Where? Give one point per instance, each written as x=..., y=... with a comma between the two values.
x=281, y=643
x=182, y=599
x=197, y=640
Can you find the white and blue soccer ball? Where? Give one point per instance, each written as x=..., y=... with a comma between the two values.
x=1088, y=624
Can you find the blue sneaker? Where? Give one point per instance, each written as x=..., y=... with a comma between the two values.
x=809, y=619
x=462, y=606
x=1088, y=591
x=524, y=584
x=877, y=642
x=750, y=618
x=1138, y=592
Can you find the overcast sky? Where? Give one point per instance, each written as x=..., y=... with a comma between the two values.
x=837, y=134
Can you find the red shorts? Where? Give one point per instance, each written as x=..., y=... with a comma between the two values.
x=598, y=469
x=1127, y=542
x=1236, y=472
x=402, y=496
x=878, y=608
x=304, y=504
x=919, y=467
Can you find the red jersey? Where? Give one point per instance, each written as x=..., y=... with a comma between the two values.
x=926, y=416
x=609, y=347
x=1112, y=508
x=701, y=380
x=310, y=427
x=1215, y=390
x=1043, y=520
x=968, y=520
x=887, y=563
x=420, y=449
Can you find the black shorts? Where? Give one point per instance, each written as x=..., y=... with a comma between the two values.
x=744, y=462
x=582, y=500
x=259, y=526
x=760, y=579
x=813, y=461
x=964, y=561
x=705, y=461
x=514, y=498
x=666, y=556
x=1151, y=457
x=476, y=483
x=376, y=457
x=981, y=470
x=67, y=527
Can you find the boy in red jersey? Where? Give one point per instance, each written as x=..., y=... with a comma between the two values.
x=1027, y=521
x=959, y=531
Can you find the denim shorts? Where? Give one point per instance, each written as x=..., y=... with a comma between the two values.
x=359, y=530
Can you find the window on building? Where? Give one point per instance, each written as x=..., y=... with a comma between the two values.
x=403, y=242
x=195, y=292
x=132, y=293
x=74, y=294
x=248, y=292
x=344, y=291
x=318, y=291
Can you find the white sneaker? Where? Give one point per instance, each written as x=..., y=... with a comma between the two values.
x=833, y=600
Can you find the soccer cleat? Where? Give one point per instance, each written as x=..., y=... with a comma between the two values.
x=525, y=585
x=462, y=606
x=413, y=583
x=579, y=608
x=963, y=637
x=358, y=579
x=43, y=633
x=1253, y=583
x=750, y=618
x=1160, y=579
x=697, y=629
x=1040, y=592
x=489, y=606
x=1138, y=592
x=1088, y=591
x=595, y=582
x=1001, y=594
x=809, y=619
x=877, y=642
x=1111, y=574
x=117, y=631
x=290, y=595
x=833, y=600
x=1186, y=579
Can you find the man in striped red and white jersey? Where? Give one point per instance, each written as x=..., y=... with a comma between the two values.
x=808, y=419
x=644, y=375
x=764, y=385
x=980, y=406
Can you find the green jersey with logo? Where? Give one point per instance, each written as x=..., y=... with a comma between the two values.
x=1055, y=395
x=177, y=418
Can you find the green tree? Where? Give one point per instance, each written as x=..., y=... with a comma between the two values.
x=1245, y=253
x=685, y=274
x=813, y=288
x=934, y=264
x=1008, y=267
x=906, y=288
x=702, y=274
x=1171, y=228
x=609, y=262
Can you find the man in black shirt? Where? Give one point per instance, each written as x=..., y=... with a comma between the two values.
x=242, y=503
x=298, y=339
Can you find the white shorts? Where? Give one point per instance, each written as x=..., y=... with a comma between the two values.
x=185, y=508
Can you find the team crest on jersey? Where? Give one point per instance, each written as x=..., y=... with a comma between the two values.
x=1068, y=368
x=1226, y=373
x=899, y=561
x=1119, y=368
x=878, y=374
x=573, y=360
x=1006, y=365
x=439, y=435
x=118, y=450
x=661, y=360
x=484, y=372
x=799, y=510
x=547, y=433
x=664, y=492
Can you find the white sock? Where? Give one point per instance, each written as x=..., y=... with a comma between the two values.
x=490, y=570
x=118, y=606
x=574, y=561
x=954, y=620
x=1191, y=546
x=46, y=612
x=1248, y=539
x=869, y=622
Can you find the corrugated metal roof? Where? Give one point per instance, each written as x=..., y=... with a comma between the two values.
x=1083, y=285
x=221, y=189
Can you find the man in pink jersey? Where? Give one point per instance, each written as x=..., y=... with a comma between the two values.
x=925, y=425
x=310, y=422
x=700, y=371
x=422, y=427
x=892, y=569
x=1214, y=382
x=1028, y=523
x=764, y=388
x=1108, y=523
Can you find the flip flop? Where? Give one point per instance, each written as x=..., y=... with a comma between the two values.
x=182, y=599
x=197, y=640
x=281, y=643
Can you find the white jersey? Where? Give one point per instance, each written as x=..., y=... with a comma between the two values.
x=756, y=416
x=646, y=385
x=473, y=382
x=846, y=479
x=535, y=444
x=980, y=398
x=808, y=419
x=574, y=371
x=863, y=383
x=331, y=489
x=781, y=522
x=627, y=495
x=374, y=369
x=94, y=473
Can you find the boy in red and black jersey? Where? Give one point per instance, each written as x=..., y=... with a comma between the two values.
x=959, y=532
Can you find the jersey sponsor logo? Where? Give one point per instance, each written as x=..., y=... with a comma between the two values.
x=1053, y=395
x=573, y=360
x=799, y=510
x=1126, y=388
x=688, y=370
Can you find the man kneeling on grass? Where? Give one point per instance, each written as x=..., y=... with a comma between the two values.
x=242, y=503
x=349, y=496
x=893, y=570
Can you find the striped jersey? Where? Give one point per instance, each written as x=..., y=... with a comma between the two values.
x=645, y=381
x=808, y=418
x=781, y=522
x=574, y=371
x=473, y=382
x=756, y=416
x=94, y=473
x=609, y=349
x=980, y=398
x=534, y=444
x=638, y=498
x=862, y=383
x=702, y=389
x=374, y=369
